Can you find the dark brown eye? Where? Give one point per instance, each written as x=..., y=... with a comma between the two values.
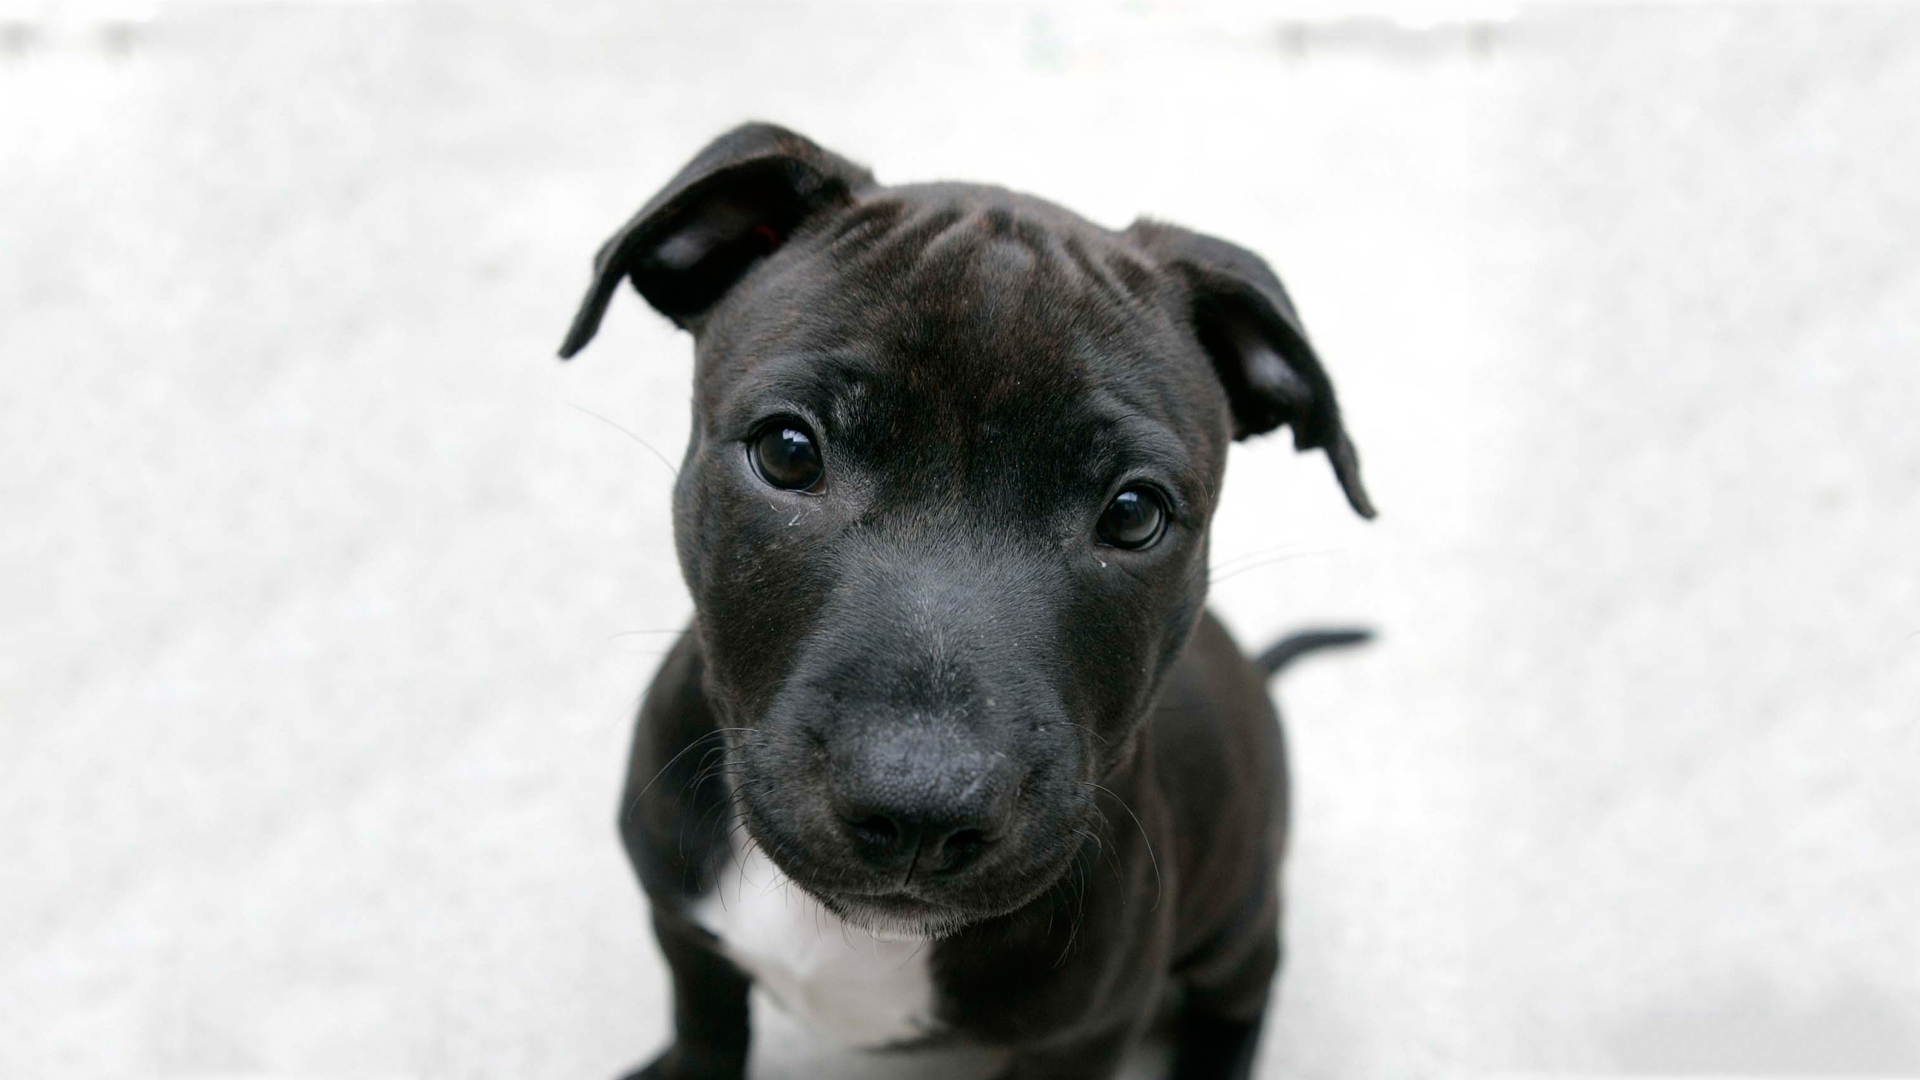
x=785, y=455
x=1134, y=519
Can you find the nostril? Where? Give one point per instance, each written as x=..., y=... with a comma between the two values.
x=966, y=840
x=959, y=849
x=877, y=830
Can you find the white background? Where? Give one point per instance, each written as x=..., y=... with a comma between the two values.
x=312, y=708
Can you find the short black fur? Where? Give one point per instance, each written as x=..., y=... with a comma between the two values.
x=925, y=688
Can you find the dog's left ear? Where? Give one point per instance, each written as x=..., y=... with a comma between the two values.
x=736, y=202
x=1244, y=320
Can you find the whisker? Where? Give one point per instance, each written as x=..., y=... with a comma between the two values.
x=1151, y=857
x=1079, y=909
x=626, y=816
x=1254, y=554
x=617, y=427
x=1237, y=571
x=1104, y=741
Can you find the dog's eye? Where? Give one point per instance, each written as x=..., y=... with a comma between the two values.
x=785, y=455
x=1134, y=519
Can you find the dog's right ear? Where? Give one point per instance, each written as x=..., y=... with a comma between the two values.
x=735, y=202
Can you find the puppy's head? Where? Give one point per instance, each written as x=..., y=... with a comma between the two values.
x=944, y=511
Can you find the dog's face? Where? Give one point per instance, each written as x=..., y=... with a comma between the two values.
x=944, y=510
x=944, y=519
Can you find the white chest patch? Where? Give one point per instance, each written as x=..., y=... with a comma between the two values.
x=836, y=979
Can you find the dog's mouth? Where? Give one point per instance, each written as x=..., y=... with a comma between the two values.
x=898, y=916
x=889, y=911
x=921, y=910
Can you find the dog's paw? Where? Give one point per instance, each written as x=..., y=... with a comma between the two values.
x=674, y=1064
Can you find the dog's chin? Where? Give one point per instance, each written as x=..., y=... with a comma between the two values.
x=897, y=918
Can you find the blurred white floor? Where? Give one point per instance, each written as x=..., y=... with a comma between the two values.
x=322, y=611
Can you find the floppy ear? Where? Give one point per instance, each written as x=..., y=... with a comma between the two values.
x=1247, y=325
x=735, y=202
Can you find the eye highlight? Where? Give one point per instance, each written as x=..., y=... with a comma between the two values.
x=786, y=455
x=1133, y=520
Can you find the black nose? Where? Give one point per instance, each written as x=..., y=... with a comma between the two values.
x=919, y=843
x=912, y=806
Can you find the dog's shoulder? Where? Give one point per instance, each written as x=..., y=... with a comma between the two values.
x=1213, y=704
x=1219, y=762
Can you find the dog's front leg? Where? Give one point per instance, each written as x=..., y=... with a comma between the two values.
x=709, y=1008
x=1210, y=1048
x=1219, y=1025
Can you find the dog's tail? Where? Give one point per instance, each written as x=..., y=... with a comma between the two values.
x=1288, y=649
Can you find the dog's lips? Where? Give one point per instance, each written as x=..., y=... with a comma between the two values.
x=889, y=910
x=907, y=902
x=897, y=903
x=898, y=915
x=926, y=909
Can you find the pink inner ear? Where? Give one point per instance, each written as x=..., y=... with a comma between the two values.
x=723, y=223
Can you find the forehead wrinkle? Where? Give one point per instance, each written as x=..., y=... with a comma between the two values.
x=965, y=262
x=889, y=237
x=823, y=383
x=1128, y=437
x=987, y=255
x=1119, y=279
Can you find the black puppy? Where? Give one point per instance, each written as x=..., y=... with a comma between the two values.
x=944, y=518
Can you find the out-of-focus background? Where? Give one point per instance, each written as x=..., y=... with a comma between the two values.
x=324, y=602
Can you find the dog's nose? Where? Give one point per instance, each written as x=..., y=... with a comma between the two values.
x=923, y=808
x=917, y=842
